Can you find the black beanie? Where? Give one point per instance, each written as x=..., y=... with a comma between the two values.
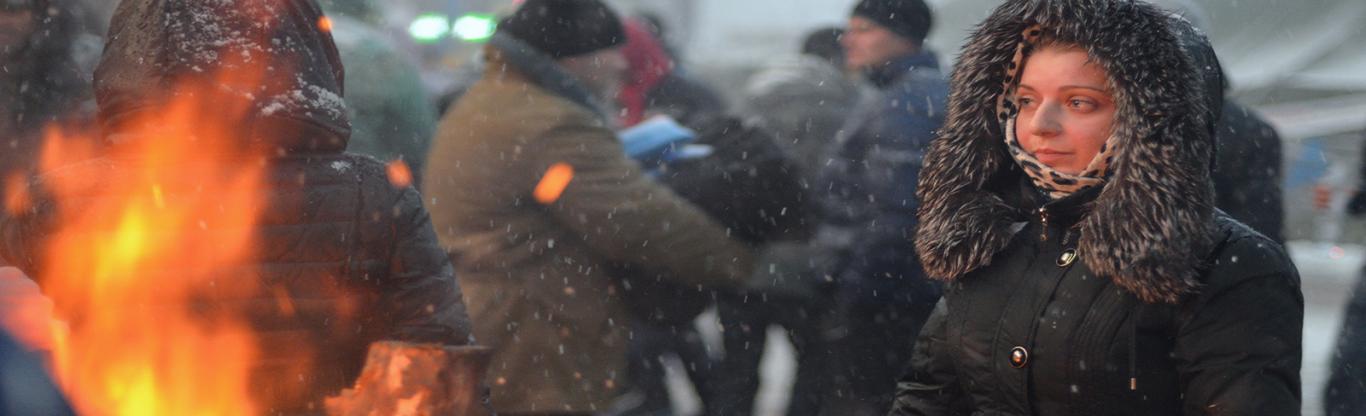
x=910, y=19
x=565, y=28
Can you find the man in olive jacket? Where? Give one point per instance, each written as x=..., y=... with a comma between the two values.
x=533, y=251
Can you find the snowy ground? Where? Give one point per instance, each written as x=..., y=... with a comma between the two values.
x=1327, y=273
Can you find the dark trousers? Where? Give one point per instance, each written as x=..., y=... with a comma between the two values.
x=746, y=320
x=650, y=344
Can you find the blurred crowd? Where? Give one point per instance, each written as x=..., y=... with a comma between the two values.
x=579, y=201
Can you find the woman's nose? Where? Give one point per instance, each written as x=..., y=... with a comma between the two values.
x=1045, y=121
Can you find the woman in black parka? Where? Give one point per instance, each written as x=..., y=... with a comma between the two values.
x=1067, y=205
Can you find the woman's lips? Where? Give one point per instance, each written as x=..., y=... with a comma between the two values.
x=1049, y=157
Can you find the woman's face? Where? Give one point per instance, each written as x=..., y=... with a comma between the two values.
x=1066, y=109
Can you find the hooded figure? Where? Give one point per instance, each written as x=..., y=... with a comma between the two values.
x=356, y=256
x=655, y=86
x=1115, y=289
x=391, y=114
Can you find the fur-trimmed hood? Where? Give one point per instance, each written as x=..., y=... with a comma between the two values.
x=1151, y=225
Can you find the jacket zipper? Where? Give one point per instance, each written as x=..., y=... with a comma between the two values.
x=1043, y=220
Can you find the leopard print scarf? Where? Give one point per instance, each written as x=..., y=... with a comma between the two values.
x=1048, y=180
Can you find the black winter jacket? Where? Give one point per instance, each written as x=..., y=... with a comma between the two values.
x=1035, y=334
x=354, y=257
x=1136, y=297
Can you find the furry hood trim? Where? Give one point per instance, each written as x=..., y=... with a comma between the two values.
x=1151, y=225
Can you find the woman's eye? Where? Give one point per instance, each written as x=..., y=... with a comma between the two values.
x=1026, y=101
x=1081, y=104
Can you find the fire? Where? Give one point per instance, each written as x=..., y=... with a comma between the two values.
x=135, y=258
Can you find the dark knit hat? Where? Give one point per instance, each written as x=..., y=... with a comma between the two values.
x=910, y=19
x=565, y=28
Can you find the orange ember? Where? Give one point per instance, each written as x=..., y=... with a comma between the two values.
x=325, y=24
x=553, y=184
x=400, y=175
x=132, y=266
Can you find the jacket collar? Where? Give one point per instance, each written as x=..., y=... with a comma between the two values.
x=888, y=74
x=1149, y=228
x=542, y=71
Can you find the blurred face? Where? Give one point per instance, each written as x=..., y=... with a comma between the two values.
x=603, y=72
x=867, y=44
x=1066, y=109
x=15, y=27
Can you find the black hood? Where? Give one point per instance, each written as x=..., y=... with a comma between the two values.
x=1151, y=225
x=294, y=104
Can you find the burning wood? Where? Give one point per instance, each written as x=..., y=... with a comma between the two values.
x=416, y=379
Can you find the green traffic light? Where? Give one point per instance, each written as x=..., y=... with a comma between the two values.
x=429, y=27
x=474, y=27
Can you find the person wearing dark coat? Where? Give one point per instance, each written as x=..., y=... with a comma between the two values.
x=25, y=387
x=1345, y=392
x=806, y=101
x=1247, y=172
x=866, y=197
x=802, y=103
x=1248, y=155
x=534, y=196
x=661, y=327
x=1068, y=207
x=391, y=114
x=43, y=81
x=356, y=256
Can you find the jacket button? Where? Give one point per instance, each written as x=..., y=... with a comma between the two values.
x=1067, y=257
x=1019, y=357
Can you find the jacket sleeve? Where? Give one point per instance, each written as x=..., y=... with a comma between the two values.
x=1238, y=341
x=929, y=386
x=422, y=296
x=628, y=217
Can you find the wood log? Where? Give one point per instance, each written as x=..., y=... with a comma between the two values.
x=404, y=379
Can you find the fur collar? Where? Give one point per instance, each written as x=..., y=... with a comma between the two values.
x=1149, y=227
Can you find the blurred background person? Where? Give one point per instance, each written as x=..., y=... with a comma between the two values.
x=803, y=103
x=806, y=101
x=868, y=203
x=1345, y=392
x=535, y=199
x=1248, y=154
x=391, y=114
x=655, y=86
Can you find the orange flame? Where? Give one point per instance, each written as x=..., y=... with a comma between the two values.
x=133, y=264
x=553, y=184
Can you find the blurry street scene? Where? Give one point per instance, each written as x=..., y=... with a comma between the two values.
x=569, y=207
